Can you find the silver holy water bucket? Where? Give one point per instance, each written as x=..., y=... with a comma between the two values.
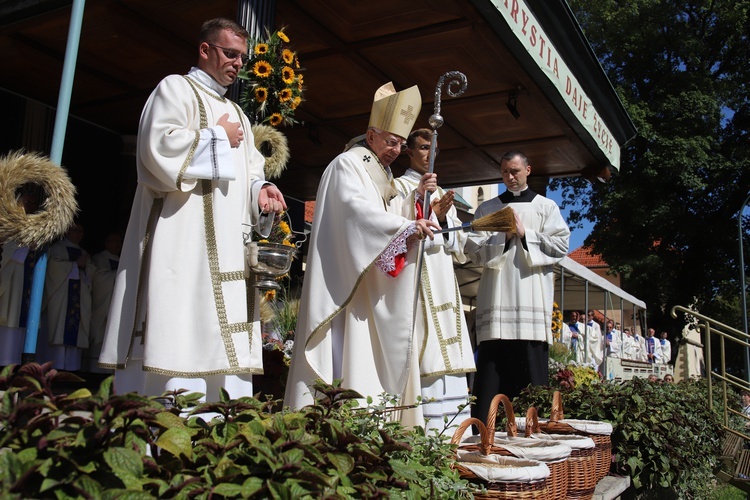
x=267, y=260
x=273, y=261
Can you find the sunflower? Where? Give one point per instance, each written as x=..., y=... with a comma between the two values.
x=262, y=69
x=283, y=36
x=285, y=95
x=270, y=295
x=261, y=48
x=275, y=119
x=287, y=75
x=261, y=94
x=295, y=102
x=288, y=56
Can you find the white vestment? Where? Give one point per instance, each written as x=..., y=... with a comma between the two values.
x=102, y=284
x=580, y=346
x=666, y=351
x=184, y=312
x=12, y=276
x=628, y=347
x=615, y=345
x=441, y=334
x=66, y=307
x=657, y=350
x=516, y=290
x=594, y=344
x=639, y=348
x=565, y=335
x=355, y=321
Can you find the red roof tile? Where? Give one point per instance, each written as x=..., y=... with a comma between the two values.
x=585, y=257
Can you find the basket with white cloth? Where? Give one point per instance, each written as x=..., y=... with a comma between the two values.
x=553, y=453
x=498, y=476
x=582, y=477
x=600, y=432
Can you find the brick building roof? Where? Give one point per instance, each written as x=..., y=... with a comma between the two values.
x=584, y=256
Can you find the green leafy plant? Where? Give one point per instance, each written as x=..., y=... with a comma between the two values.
x=664, y=435
x=101, y=445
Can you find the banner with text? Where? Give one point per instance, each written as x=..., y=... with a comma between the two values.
x=529, y=31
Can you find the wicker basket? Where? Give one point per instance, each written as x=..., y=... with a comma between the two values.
x=582, y=477
x=499, y=477
x=553, y=453
x=600, y=432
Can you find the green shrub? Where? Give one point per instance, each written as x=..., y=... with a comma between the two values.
x=101, y=445
x=664, y=435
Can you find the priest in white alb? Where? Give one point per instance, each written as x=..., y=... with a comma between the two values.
x=184, y=313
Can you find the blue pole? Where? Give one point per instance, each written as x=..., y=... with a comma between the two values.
x=58, y=140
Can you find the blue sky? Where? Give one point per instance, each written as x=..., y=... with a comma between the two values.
x=577, y=235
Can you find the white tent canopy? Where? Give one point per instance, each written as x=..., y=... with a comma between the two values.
x=579, y=288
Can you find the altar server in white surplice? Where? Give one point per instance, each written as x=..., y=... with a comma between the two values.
x=184, y=313
x=357, y=306
x=515, y=296
x=441, y=334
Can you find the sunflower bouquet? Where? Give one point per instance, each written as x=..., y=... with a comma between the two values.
x=274, y=82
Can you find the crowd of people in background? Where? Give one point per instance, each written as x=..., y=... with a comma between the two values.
x=75, y=300
x=589, y=346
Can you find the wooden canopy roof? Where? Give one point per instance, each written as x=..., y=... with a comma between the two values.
x=348, y=49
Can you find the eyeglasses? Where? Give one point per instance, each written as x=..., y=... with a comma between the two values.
x=232, y=54
x=426, y=147
x=395, y=144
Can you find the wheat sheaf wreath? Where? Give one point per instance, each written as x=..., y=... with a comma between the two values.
x=58, y=205
x=273, y=145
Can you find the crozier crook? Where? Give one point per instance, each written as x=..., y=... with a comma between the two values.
x=456, y=79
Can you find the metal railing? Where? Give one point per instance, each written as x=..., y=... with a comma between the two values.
x=720, y=377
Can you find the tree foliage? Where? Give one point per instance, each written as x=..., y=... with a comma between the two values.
x=667, y=222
